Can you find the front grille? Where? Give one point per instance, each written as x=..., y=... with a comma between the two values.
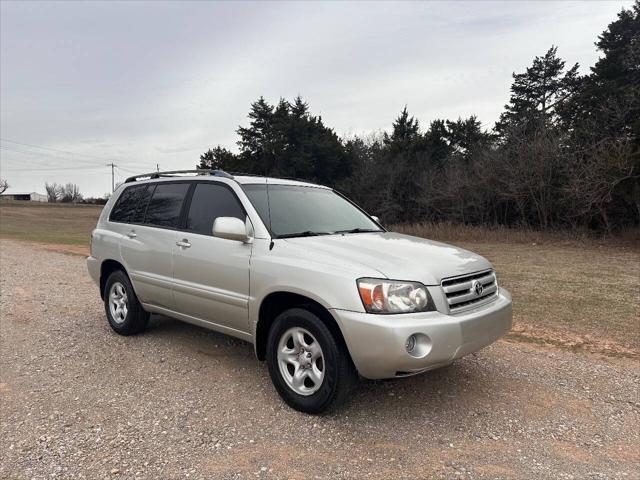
x=462, y=292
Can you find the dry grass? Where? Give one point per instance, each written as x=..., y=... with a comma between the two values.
x=48, y=223
x=575, y=290
x=448, y=232
x=572, y=289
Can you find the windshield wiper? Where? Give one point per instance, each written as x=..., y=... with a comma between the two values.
x=306, y=233
x=357, y=230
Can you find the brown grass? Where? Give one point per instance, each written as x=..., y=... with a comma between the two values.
x=449, y=232
x=574, y=290
x=63, y=224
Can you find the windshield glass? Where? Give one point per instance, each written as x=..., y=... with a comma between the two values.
x=295, y=211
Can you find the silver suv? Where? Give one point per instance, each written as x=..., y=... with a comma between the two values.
x=318, y=286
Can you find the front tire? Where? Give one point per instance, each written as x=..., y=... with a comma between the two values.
x=124, y=312
x=310, y=368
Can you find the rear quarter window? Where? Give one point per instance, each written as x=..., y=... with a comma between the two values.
x=128, y=204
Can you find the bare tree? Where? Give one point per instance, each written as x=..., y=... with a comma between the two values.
x=54, y=191
x=3, y=185
x=595, y=177
x=70, y=193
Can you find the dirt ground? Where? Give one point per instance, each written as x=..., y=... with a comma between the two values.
x=78, y=401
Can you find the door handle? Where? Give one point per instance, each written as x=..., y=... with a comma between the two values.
x=132, y=234
x=184, y=243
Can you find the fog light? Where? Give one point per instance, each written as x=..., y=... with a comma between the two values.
x=410, y=344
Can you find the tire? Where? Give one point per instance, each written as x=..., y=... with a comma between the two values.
x=130, y=318
x=315, y=380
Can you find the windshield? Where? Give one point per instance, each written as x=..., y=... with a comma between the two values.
x=297, y=211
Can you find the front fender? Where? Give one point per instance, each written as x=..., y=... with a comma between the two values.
x=322, y=279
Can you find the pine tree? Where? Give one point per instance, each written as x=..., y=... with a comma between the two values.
x=465, y=137
x=287, y=141
x=609, y=105
x=218, y=158
x=405, y=131
x=537, y=95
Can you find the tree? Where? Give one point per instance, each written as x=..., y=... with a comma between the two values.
x=614, y=81
x=3, y=185
x=218, y=158
x=286, y=140
x=400, y=167
x=466, y=137
x=405, y=131
x=54, y=191
x=564, y=153
x=538, y=94
x=605, y=130
x=70, y=193
x=598, y=176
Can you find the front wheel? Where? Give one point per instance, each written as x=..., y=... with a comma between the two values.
x=309, y=367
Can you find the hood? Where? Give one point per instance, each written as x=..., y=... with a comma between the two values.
x=395, y=256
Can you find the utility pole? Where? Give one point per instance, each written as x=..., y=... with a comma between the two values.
x=113, y=184
x=157, y=167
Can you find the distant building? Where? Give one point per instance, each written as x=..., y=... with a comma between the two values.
x=25, y=197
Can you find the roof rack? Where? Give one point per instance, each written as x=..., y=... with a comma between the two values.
x=175, y=173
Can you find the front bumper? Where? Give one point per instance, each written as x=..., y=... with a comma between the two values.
x=377, y=342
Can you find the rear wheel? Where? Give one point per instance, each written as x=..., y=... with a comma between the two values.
x=124, y=312
x=309, y=367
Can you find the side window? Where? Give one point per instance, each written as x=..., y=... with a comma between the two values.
x=125, y=208
x=143, y=201
x=209, y=202
x=165, y=204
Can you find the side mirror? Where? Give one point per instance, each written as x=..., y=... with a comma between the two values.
x=376, y=219
x=231, y=228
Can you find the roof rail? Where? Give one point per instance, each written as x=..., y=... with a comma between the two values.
x=175, y=173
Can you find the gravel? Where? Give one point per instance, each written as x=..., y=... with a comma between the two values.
x=79, y=401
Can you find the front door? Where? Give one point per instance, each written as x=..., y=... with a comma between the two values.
x=211, y=275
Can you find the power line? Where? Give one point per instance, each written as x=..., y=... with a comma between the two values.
x=51, y=169
x=85, y=159
x=44, y=147
x=48, y=165
x=127, y=170
x=78, y=157
x=40, y=155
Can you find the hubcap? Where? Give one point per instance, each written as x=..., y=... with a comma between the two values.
x=118, y=302
x=301, y=361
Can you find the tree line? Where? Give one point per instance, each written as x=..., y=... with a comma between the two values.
x=565, y=152
x=70, y=193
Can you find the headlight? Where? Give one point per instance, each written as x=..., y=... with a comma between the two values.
x=389, y=296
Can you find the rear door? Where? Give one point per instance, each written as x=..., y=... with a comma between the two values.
x=211, y=275
x=150, y=240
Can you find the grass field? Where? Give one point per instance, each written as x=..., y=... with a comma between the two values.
x=62, y=224
x=581, y=293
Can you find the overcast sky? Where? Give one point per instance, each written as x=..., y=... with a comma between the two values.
x=140, y=83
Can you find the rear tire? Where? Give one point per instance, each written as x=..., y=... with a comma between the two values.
x=124, y=312
x=310, y=368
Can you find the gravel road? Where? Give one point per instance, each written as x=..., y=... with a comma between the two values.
x=79, y=401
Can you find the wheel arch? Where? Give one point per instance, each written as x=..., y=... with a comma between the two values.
x=277, y=302
x=107, y=267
